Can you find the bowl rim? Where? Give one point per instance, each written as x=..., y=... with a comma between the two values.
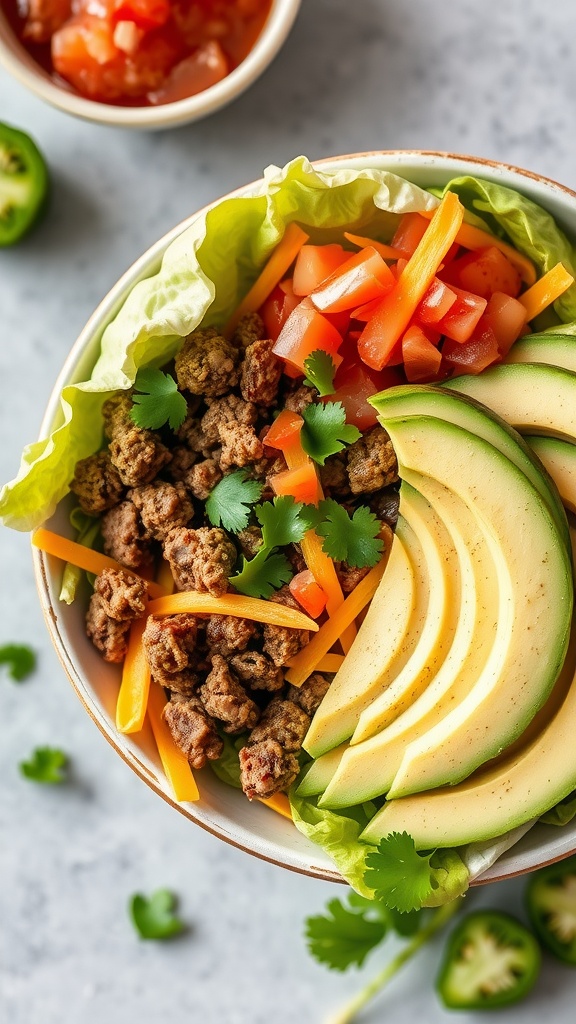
x=97, y=321
x=25, y=69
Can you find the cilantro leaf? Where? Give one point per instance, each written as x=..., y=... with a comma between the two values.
x=320, y=370
x=345, y=935
x=153, y=917
x=46, y=764
x=352, y=539
x=263, y=574
x=20, y=660
x=402, y=878
x=228, y=502
x=283, y=521
x=325, y=431
x=160, y=401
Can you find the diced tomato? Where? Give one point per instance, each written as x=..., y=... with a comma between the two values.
x=304, y=331
x=308, y=593
x=461, y=319
x=146, y=14
x=301, y=483
x=484, y=271
x=284, y=433
x=314, y=263
x=436, y=303
x=506, y=316
x=409, y=233
x=364, y=276
x=421, y=358
x=475, y=354
x=363, y=313
x=205, y=67
x=355, y=384
x=397, y=268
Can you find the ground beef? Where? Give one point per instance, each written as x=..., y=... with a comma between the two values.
x=123, y=596
x=349, y=576
x=200, y=559
x=124, y=537
x=138, y=455
x=386, y=505
x=109, y=635
x=372, y=462
x=169, y=642
x=250, y=540
x=227, y=634
x=261, y=373
x=202, y=478
x=207, y=364
x=257, y=671
x=162, y=506
x=240, y=446
x=265, y=769
x=250, y=329
x=296, y=559
x=225, y=699
x=300, y=399
x=193, y=731
x=310, y=695
x=282, y=643
x=284, y=722
x=193, y=437
x=265, y=468
x=183, y=458
x=230, y=410
x=334, y=478
x=180, y=684
x=116, y=414
x=97, y=484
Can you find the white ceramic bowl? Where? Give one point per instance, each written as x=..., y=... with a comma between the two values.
x=222, y=810
x=22, y=65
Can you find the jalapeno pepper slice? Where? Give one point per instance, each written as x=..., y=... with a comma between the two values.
x=491, y=961
x=23, y=184
x=551, y=904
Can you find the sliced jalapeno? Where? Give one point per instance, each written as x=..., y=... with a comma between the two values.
x=491, y=960
x=23, y=183
x=551, y=903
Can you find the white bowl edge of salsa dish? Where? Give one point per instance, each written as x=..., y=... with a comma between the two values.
x=222, y=810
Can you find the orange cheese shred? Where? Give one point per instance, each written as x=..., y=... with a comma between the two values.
x=549, y=288
x=279, y=803
x=174, y=762
x=387, y=252
x=309, y=658
x=191, y=602
x=135, y=685
x=83, y=557
x=471, y=237
x=280, y=261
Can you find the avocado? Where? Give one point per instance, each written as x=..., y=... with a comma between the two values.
x=397, y=610
x=554, y=349
x=536, y=596
x=559, y=459
x=494, y=800
x=534, y=398
x=427, y=400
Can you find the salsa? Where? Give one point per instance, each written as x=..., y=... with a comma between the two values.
x=138, y=52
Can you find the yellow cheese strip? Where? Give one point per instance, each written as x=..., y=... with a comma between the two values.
x=387, y=252
x=471, y=237
x=190, y=602
x=174, y=762
x=134, y=688
x=546, y=291
x=279, y=803
x=83, y=557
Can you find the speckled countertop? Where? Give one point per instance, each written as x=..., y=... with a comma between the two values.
x=495, y=80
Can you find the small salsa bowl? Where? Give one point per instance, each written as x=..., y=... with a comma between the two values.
x=222, y=810
x=20, y=63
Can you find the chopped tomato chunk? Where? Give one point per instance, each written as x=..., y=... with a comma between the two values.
x=484, y=272
x=355, y=384
x=285, y=431
x=364, y=276
x=461, y=319
x=480, y=351
x=277, y=308
x=314, y=264
x=301, y=483
x=145, y=14
x=194, y=74
x=304, y=331
x=409, y=233
x=437, y=302
x=505, y=316
x=308, y=593
x=421, y=358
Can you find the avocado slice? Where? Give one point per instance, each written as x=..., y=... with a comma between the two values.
x=554, y=349
x=532, y=397
x=537, y=603
x=559, y=460
x=398, y=605
x=427, y=400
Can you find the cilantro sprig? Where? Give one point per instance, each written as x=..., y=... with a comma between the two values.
x=352, y=539
x=46, y=765
x=283, y=521
x=20, y=660
x=400, y=876
x=347, y=933
x=325, y=431
x=229, y=502
x=154, y=916
x=159, y=401
x=320, y=370
x=260, y=576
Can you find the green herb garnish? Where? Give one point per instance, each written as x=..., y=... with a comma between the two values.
x=352, y=539
x=19, y=659
x=47, y=765
x=263, y=574
x=400, y=876
x=320, y=370
x=160, y=401
x=229, y=502
x=325, y=431
x=284, y=521
x=154, y=917
x=346, y=934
